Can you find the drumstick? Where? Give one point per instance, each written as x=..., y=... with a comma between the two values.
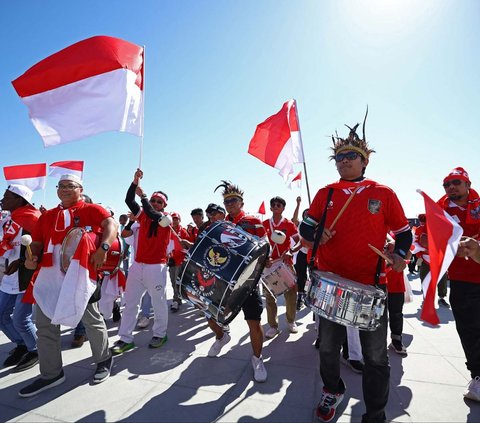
x=380, y=254
x=343, y=208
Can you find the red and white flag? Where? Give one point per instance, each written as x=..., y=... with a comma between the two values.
x=92, y=86
x=261, y=209
x=296, y=182
x=277, y=141
x=443, y=237
x=33, y=176
x=70, y=167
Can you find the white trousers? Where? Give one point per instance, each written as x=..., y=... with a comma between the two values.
x=354, y=345
x=145, y=277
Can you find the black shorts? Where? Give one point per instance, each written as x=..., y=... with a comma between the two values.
x=253, y=306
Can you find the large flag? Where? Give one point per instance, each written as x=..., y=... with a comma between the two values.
x=71, y=167
x=92, y=86
x=34, y=176
x=296, y=182
x=443, y=237
x=277, y=141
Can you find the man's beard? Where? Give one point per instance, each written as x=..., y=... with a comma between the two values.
x=454, y=197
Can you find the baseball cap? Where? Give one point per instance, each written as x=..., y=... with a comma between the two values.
x=22, y=191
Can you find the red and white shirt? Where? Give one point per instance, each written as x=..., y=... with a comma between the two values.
x=287, y=227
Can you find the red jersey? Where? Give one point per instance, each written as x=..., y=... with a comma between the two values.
x=395, y=281
x=152, y=241
x=373, y=212
x=461, y=269
x=287, y=227
x=249, y=224
x=178, y=254
x=192, y=232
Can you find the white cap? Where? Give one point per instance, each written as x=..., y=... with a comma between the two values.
x=71, y=178
x=21, y=190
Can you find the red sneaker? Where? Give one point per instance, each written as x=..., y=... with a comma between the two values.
x=327, y=406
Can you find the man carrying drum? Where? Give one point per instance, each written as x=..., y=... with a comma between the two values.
x=281, y=252
x=372, y=210
x=253, y=306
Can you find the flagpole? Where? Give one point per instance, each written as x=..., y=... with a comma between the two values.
x=303, y=154
x=143, y=112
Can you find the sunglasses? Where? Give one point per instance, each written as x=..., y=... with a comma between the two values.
x=455, y=182
x=153, y=200
x=351, y=155
x=230, y=201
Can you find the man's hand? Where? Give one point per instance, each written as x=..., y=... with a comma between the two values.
x=470, y=247
x=299, y=200
x=12, y=267
x=186, y=243
x=327, y=236
x=131, y=216
x=138, y=175
x=398, y=263
x=31, y=264
x=98, y=258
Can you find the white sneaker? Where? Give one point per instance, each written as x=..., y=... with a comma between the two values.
x=272, y=332
x=259, y=371
x=218, y=345
x=143, y=322
x=292, y=327
x=473, y=389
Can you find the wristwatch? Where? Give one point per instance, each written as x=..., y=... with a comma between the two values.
x=105, y=246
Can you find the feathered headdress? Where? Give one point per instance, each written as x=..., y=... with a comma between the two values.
x=230, y=190
x=353, y=142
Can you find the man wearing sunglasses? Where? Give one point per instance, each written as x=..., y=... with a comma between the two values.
x=373, y=210
x=463, y=204
x=149, y=269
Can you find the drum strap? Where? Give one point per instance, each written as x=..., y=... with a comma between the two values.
x=319, y=229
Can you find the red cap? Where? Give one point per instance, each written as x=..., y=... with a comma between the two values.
x=175, y=214
x=457, y=173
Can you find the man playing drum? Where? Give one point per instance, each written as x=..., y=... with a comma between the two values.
x=48, y=236
x=372, y=211
x=281, y=252
x=253, y=306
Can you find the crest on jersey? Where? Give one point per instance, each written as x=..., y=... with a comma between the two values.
x=374, y=206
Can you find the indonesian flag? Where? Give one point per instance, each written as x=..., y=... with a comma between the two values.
x=33, y=176
x=443, y=237
x=296, y=182
x=92, y=86
x=261, y=209
x=277, y=141
x=70, y=167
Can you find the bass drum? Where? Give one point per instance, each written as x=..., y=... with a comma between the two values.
x=70, y=243
x=221, y=269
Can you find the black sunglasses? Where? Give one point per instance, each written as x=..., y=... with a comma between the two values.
x=455, y=182
x=351, y=155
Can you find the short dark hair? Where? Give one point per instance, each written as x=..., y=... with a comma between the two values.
x=278, y=200
x=198, y=211
x=161, y=192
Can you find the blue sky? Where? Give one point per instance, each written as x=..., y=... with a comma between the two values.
x=215, y=69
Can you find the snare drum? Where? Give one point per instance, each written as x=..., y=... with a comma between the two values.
x=221, y=269
x=72, y=239
x=344, y=301
x=279, y=277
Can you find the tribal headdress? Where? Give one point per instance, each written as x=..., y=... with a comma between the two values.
x=230, y=190
x=353, y=142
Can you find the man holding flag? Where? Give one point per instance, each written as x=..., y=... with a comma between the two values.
x=463, y=204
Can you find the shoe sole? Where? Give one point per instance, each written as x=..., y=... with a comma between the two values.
x=52, y=385
x=97, y=381
x=401, y=353
x=471, y=398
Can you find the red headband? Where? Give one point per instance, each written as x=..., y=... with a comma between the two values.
x=161, y=196
x=457, y=173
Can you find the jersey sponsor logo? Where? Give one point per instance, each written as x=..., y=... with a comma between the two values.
x=232, y=239
x=330, y=205
x=217, y=257
x=374, y=206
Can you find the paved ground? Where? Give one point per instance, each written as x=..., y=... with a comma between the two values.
x=179, y=383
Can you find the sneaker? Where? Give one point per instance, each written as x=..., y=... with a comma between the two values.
x=174, y=307
x=218, y=345
x=473, y=389
x=292, y=327
x=259, y=371
x=78, y=341
x=143, y=322
x=120, y=347
x=29, y=360
x=356, y=365
x=443, y=303
x=15, y=356
x=272, y=332
x=41, y=385
x=157, y=342
x=116, y=315
x=398, y=347
x=102, y=373
x=300, y=303
x=327, y=405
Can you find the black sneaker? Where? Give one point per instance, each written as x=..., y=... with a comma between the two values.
x=398, y=347
x=15, y=356
x=29, y=360
x=103, y=370
x=443, y=303
x=116, y=315
x=41, y=385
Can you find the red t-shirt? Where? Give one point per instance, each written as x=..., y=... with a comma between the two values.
x=373, y=212
x=287, y=227
x=395, y=281
x=461, y=269
x=249, y=224
x=151, y=249
x=178, y=253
